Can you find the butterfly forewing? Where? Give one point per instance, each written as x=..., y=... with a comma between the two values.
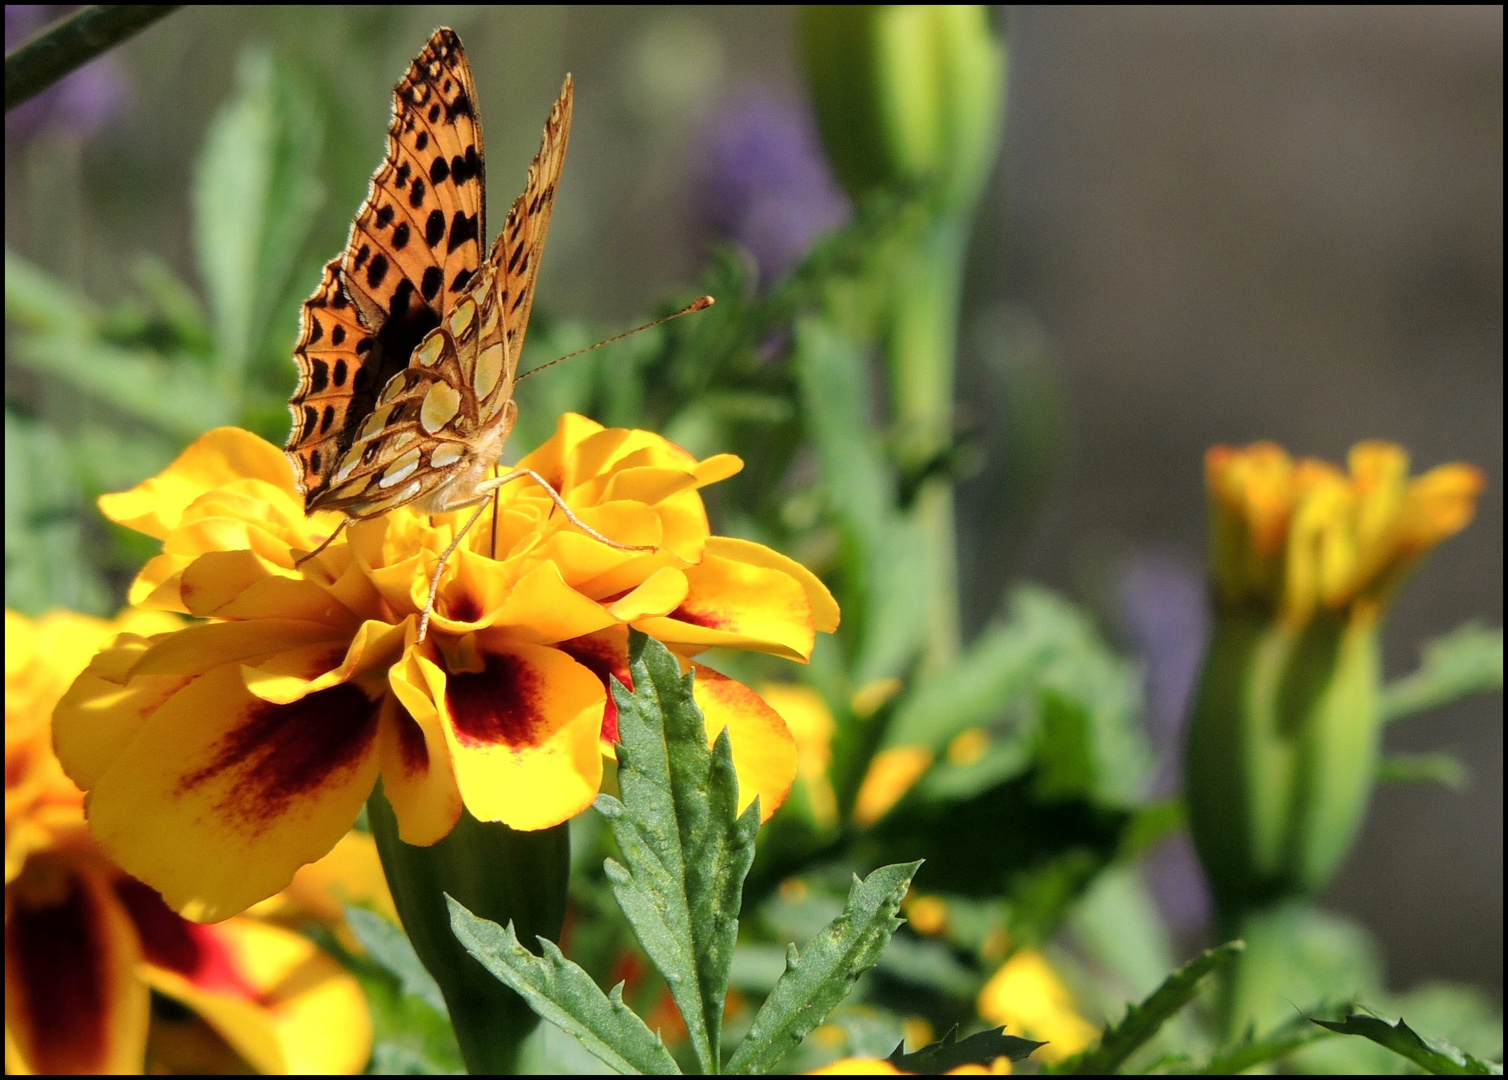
x=435, y=427
x=414, y=247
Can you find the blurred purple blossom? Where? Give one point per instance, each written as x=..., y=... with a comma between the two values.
x=81, y=103
x=1163, y=609
x=762, y=180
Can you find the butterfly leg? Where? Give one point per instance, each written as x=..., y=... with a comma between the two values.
x=323, y=544
x=434, y=580
x=518, y=474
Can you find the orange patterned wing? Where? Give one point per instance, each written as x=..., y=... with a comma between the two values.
x=413, y=249
x=440, y=424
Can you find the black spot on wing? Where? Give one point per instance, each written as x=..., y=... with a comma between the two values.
x=434, y=228
x=316, y=331
x=416, y=193
x=462, y=278
x=340, y=372
x=461, y=106
x=327, y=419
x=439, y=171
x=400, y=236
x=422, y=141
x=429, y=288
x=377, y=271
x=463, y=170
x=463, y=227
x=385, y=216
x=400, y=180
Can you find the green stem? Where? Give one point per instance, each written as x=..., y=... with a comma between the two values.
x=72, y=43
x=499, y=874
x=923, y=346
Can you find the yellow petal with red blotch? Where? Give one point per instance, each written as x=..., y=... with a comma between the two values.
x=523, y=734
x=418, y=777
x=279, y=1000
x=102, y=711
x=304, y=670
x=196, y=649
x=825, y=613
x=219, y=457
x=738, y=605
x=662, y=592
x=222, y=796
x=214, y=579
x=764, y=753
x=540, y=606
x=73, y=1002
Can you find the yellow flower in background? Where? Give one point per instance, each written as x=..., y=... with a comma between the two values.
x=812, y=726
x=223, y=756
x=1296, y=536
x=1029, y=998
x=86, y=944
x=1284, y=733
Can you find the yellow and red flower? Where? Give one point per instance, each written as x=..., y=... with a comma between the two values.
x=86, y=944
x=1300, y=536
x=221, y=757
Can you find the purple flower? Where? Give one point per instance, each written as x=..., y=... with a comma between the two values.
x=763, y=181
x=81, y=103
x=1163, y=609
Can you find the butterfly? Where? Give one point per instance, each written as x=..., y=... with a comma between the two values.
x=408, y=350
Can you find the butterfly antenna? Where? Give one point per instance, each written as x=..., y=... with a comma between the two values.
x=700, y=304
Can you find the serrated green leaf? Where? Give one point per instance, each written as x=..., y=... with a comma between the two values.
x=1251, y=1051
x=389, y=946
x=950, y=1051
x=1432, y=1055
x=564, y=994
x=1468, y=660
x=1119, y=1041
x=1435, y=768
x=686, y=849
x=818, y=977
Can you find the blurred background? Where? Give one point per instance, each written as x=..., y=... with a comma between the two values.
x=1207, y=225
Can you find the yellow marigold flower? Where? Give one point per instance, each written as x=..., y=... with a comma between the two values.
x=86, y=944
x=892, y=773
x=1027, y=997
x=1284, y=733
x=222, y=757
x=812, y=726
x=1300, y=535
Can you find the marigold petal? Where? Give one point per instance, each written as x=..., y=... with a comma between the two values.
x=825, y=614
x=196, y=649
x=279, y=1000
x=418, y=776
x=103, y=710
x=891, y=774
x=218, y=457
x=221, y=796
x=523, y=734
x=73, y=1002
x=288, y=598
x=540, y=606
x=738, y=605
x=660, y=594
x=1029, y=998
x=856, y=1066
x=350, y=874
x=718, y=467
x=297, y=672
x=764, y=752
x=214, y=579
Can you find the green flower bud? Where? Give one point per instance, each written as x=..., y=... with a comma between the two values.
x=499, y=874
x=907, y=96
x=1283, y=743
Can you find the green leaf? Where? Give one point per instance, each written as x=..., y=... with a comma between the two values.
x=818, y=977
x=1432, y=1055
x=389, y=946
x=950, y=1051
x=1141, y=1022
x=685, y=847
x=1294, y=1034
x=256, y=190
x=1468, y=660
x=1435, y=768
x=564, y=994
